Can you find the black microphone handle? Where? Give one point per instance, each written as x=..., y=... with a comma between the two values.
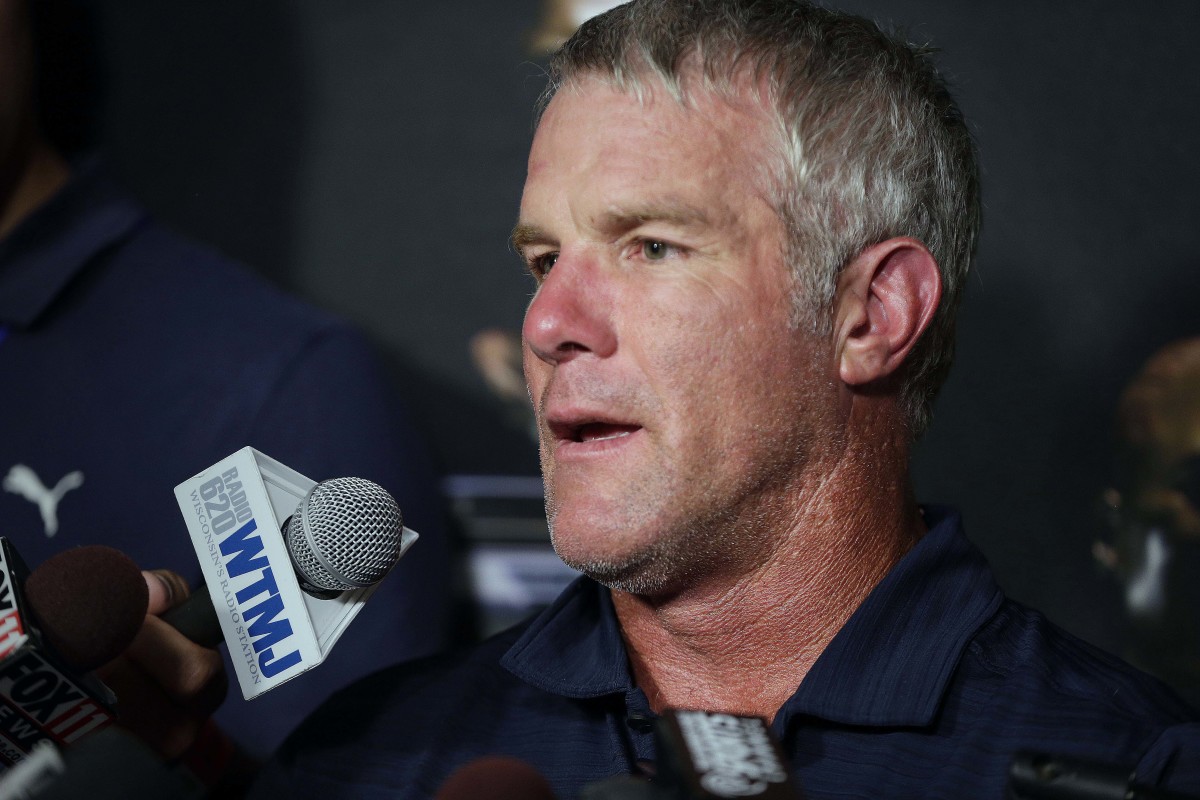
x=1041, y=776
x=196, y=618
x=113, y=764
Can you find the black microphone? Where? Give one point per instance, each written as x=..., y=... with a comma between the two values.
x=109, y=765
x=705, y=755
x=710, y=755
x=702, y=755
x=344, y=535
x=1038, y=776
x=78, y=610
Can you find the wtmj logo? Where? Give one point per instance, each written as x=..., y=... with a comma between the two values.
x=246, y=587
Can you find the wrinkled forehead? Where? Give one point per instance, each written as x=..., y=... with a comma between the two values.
x=596, y=133
x=758, y=133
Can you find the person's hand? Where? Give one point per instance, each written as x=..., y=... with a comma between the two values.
x=167, y=686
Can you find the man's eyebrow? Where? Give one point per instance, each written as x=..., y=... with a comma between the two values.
x=671, y=212
x=618, y=219
x=524, y=235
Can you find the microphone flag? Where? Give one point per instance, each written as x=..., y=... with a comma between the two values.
x=41, y=699
x=274, y=630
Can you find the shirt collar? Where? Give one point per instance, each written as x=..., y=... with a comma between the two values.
x=53, y=244
x=573, y=648
x=888, y=666
x=891, y=662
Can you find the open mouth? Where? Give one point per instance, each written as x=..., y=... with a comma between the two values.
x=599, y=431
x=580, y=430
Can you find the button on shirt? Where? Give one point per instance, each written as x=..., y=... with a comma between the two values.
x=927, y=692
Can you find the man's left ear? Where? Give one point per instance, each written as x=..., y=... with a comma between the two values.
x=886, y=297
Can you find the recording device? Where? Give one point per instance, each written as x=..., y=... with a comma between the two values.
x=702, y=755
x=287, y=562
x=111, y=764
x=76, y=611
x=1038, y=776
x=710, y=755
x=705, y=755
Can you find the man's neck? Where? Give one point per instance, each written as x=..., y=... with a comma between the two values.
x=744, y=644
x=29, y=182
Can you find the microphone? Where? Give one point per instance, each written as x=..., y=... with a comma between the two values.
x=109, y=765
x=704, y=755
x=495, y=778
x=89, y=603
x=344, y=535
x=78, y=610
x=287, y=562
x=1038, y=776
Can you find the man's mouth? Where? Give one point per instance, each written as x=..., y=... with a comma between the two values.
x=599, y=431
x=581, y=430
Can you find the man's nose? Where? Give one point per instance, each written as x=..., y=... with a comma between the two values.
x=569, y=315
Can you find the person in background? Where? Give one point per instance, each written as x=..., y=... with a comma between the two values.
x=132, y=358
x=1154, y=511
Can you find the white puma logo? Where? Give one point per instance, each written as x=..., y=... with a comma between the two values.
x=24, y=481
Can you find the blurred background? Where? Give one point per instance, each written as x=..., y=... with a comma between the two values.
x=369, y=156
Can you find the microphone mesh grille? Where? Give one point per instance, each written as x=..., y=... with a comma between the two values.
x=355, y=527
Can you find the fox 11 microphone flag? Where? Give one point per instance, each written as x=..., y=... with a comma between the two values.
x=41, y=698
x=275, y=631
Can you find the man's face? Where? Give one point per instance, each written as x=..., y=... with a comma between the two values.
x=677, y=408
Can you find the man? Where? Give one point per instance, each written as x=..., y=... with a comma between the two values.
x=749, y=223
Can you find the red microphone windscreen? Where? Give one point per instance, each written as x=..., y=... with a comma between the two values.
x=496, y=778
x=89, y=602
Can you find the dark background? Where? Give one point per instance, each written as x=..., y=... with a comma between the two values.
x=369, y=156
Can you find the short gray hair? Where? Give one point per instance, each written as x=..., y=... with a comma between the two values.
x=870, y=143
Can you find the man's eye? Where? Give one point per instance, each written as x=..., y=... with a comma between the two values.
x=654, y=250
x=541, y=265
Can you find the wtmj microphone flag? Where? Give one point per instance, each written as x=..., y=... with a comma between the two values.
x=274, y=630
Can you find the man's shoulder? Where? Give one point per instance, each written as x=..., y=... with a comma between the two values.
x=1027, y=684
x=1021, y=648
x=429, y=686
x=402, y=731
x=403, y=726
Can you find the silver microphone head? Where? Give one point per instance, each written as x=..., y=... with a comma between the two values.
x=344, y=535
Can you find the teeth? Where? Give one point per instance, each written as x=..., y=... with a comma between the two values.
x=602, y=436
x=597, y=432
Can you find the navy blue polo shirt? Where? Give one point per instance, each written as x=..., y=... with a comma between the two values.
x=927, y=692
x=133, y=358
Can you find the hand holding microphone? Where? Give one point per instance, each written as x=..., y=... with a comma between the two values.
x=286, y=598
x=97, y=611
x=167, y=686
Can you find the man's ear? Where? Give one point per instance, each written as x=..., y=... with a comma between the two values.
x=886, y=297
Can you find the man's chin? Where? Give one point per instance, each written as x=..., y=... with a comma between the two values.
x=639, y=573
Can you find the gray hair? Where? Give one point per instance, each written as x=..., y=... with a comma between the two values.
x=870, y=143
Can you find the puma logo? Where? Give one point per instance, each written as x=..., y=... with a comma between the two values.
x=25, y=482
